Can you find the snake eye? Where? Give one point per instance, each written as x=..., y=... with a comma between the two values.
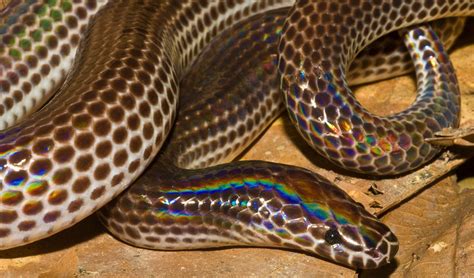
x=332, y=236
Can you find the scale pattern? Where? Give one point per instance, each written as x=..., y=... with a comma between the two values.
x=249, y=203
x=319, y=41
x=226, y=102
x=117, y=105
x=110, y=117
x=39, y=40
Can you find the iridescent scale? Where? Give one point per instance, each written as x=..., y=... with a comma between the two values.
x=122, y=61
x=319, y=42
x=39, y=40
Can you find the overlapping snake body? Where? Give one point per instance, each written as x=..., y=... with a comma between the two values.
x=117, y=105
x=108, y=122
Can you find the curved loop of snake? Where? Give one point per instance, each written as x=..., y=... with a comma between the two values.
x=316, y=49
x=116, y=106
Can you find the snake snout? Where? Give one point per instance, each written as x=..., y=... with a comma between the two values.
x=362, y=241
x=380, y=255
x=388, y=247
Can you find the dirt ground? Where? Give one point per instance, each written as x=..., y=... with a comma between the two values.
x=431, y=211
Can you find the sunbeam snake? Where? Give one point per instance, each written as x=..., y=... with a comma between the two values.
x=114, y=68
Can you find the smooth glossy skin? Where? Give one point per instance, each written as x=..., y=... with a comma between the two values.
x=39, y=40
x=249, y=203
x=230, y=94
x=246, y=203
x=319, y=41
x=112, y=114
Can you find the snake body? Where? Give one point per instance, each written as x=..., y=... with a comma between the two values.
x=117, y=105
x=316, y=49
x=249, y=203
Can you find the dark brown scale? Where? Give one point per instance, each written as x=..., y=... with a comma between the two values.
x=41, y=167
x=51, y=216
x=26, y=225
x=278, y=219
x=120, y=135
x=8, y=103
x=16, y=178
x=116, y=228
x=102, y=128
x=117, y=179
x=41, y=52
x=96, y=109
x=4, y=232
x=44, y=130
x=103, y=149
x=39, y=188
x=62, y=176
x=84, y=141
x=20, y=158
x=135, y=144
x=65, y=50
x=116, y=114
x=57, y=197
x=15, y=200
x=133, y=166
x=8, y=216
x=32, y=208
x=62, y=119
x=98, y=192
x=133, y=122
x=75, y=205
x=101, y=172
x=52, y=42
x=64, y=154
x=84, y=162
x=120, y=158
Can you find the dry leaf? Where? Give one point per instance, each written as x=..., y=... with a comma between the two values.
x=454, y=137
x=436, y=233
x=4, y=3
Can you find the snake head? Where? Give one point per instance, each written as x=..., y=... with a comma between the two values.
x=353, y=237
x=341, y=228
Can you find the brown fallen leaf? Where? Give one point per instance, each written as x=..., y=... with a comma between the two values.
x=454, y=137
x=436, y=233
x=4, y=3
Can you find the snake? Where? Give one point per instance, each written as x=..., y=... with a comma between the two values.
x=104, y=78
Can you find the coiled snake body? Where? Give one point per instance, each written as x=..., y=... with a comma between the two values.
x=117, y=104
